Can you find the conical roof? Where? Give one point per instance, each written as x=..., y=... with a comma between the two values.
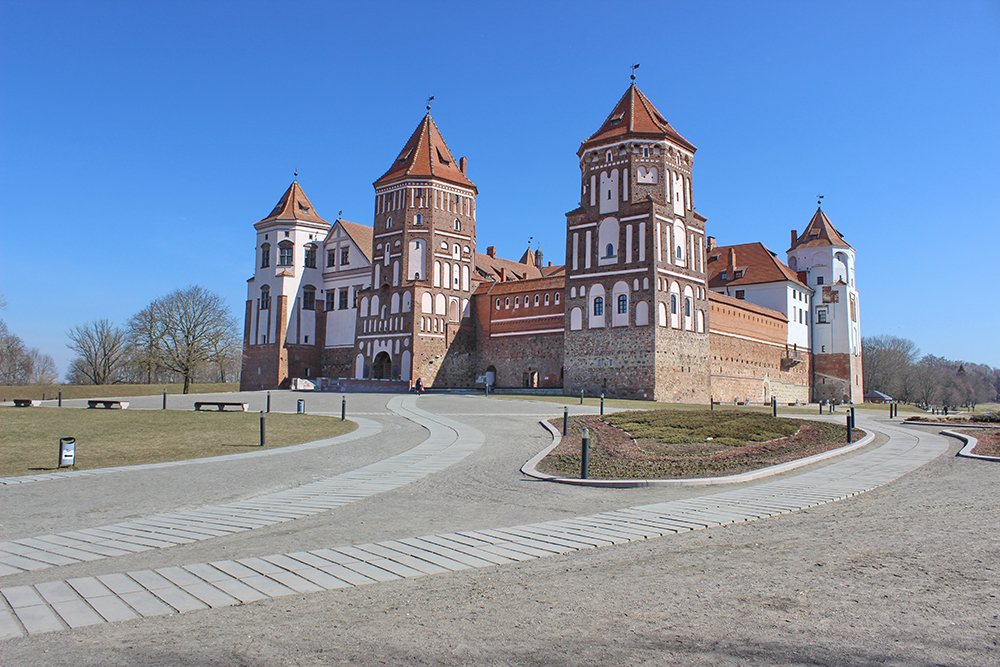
x=426, y=155
x=294, y=205
x=818, y=233
x=635, y=116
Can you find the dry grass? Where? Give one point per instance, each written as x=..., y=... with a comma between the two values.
x=50, y=391
x=663, y=444
x=988, y=441
x=29, y=437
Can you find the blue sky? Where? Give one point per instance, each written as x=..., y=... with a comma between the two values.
x=139, y=141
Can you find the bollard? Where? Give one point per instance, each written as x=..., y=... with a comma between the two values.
x=581, y=397
x=585, y=453
x=602, y=405
x=263, y=428
x=711, y=403
x=268, y=401
x=300, y=406
x=821, y=407
x=774, y=407
x=43, y=395
x=854, y=418
x=850, y=430
x=565, y=420
x=164, y=405
x=59, y=400
x=890, y=411
x=343, y=408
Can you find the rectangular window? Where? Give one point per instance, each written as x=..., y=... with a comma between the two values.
x=345, y=256
x=285, y=255
x=331, y=258
x=331, y=296
x=819, y=280
x=821, y=315
x=342, y=298
x=310, y=257
x=741, y=294
x=309, y=299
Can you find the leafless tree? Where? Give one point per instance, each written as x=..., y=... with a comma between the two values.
x=43, y=368
x=101, y=352
x=887, y=360
x=144, y=338
x=192, y=326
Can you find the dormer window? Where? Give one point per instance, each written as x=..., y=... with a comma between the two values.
x=724, y=275
x=738, y=274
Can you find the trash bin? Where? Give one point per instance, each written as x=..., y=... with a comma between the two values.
x=67, y=452
x=300, y=406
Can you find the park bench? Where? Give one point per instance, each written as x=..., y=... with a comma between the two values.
x=26, y=403
x=220, y=406
x=107, y=404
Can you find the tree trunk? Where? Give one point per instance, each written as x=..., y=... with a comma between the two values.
x=187, y=382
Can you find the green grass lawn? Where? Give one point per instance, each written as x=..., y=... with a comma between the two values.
x=29, y=437
x=50, y=391
x=663, y=444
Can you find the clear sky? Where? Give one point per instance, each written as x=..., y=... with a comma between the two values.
x=140, y=141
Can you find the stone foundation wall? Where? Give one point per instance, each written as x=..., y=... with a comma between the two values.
x=833, y=378
x=743, y=369
x=617, y=361
x=514, y=357
x=681, y=366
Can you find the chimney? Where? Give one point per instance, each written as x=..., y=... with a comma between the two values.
x=710, y=243
x=491, y=251
x=462, y=162
x=732, y=259
x=538, y=257
x=503, y=274
x=795, y=236
x=549, y=264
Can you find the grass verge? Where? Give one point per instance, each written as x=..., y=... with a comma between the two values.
x=664, y=444
x=29, y=438
x=9, y=392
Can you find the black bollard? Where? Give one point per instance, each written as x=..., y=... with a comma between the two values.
x=59, y=400
x=850, y=430
x=343, y=408
x=821, y=407
x=774, y=406
x=585, y=453
x=268, y=401
x=854, y=418
x=565, y=421
x=263, y=428
x=602, y=405
x=164, y=400
x=711, y=403
x=581, y=397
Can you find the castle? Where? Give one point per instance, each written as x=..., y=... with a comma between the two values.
x=646, y=306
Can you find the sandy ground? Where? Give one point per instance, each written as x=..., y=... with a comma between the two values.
x=904, y=575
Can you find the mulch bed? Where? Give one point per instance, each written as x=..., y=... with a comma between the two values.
x=615, y=455
x=989, y=441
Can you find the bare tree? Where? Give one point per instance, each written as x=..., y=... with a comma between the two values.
x=144, y=338
x=887, y=359
x=101, y=352
x=192, y=325
x=43, y=368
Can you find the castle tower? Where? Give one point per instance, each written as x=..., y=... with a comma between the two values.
x=825, y=262
x=284, y=326
x=414, y=321
x=636, y=293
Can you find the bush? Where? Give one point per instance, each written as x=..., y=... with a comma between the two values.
x=987, y=417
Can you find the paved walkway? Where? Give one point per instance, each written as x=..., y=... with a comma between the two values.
x=447, y=442
x=75, y=602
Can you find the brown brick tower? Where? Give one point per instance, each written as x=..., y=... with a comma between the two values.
x=636, y=294
x=415, y=320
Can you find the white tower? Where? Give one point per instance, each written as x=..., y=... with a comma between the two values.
x=825, y=261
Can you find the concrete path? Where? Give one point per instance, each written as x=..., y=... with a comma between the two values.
x=447, y=442
x=91, y=600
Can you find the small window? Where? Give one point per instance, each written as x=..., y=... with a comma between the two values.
x=517, y=302
x=265, y=297
x=622, y=304
x=557, y=297
x=679, y=252
x=607, y=156
x=598, y=305
x=536, y=300
x=673, y=304
x=819, y=280
x=342, y=298
x=310, y=257
x=331, y=296
x=388, y=223
x=546, y=298
x=458, y=224
x=286, y=254
x=822, y=315
x=498, y=304
x=645, y=151
x=345, y=256
x=609, y=250
x=738, y=274
x=265, y=255
x=506, y=302
x=419, y=219
x=724, y=275
x=331, y=258
x=741, y=294
x=687, y=306
x=309, y=298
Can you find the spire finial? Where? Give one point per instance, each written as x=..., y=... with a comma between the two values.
x=634, y=68
x=340, y=214
x=429, y=100
x=530, y=239
x=819, y=201
x=295, y=175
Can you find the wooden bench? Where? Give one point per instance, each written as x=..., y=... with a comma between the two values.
x=220, y=406
x=107, y=404
x=26, y=403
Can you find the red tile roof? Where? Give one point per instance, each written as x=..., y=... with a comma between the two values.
x=819, y=232
x=426, y=155
x=757, y=263
x=362, y=235
x=518, y=286
x=635, y=116
x=745, y=305
x=488, y=267
x=294, y=205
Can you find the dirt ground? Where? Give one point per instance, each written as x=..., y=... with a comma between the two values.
x=904, y=575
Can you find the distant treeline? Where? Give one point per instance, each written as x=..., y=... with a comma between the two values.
x=894, y=366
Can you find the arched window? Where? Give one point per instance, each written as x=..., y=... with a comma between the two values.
x=265, y=255
x=546, y=298
x=557, y=297
x=599, y=305
x=506, y=302
x=388, y=223
x=607, y=156
x=622, y=304
x=687, y=306
x=536, y=299
x=286, y=253
x=308, y=298
x=609, y=250
x=673, y=304
x=458, y=225
x=418, y=219
x=498, y=304
x=265, y=297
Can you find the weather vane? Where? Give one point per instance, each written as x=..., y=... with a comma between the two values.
x=530, y=239
x=634, y=68
x=429, y=100
x=819, y=200
x=295, y=174
x=340, y=214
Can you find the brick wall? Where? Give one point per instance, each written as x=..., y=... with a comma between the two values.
x=833, y=378
x=514, y=357
x=617, y=361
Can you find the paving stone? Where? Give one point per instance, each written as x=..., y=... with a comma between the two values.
x=146, y=604
x=239, y=590
x=38, y=618
x=231, y=568
x=22, y=563
x=350, y=576
x=207, y=572
x=294, y=581
x=259, y=565
x=56, y=591
x=209, y=594
x=451, y=554
x=22, y=596
x=372, y=570
x=77, y=613
x=112, y=608
x=150, y=580
x=10, y=628
x=321, y=578
x=120, y=583
x=268, y=587
x=178, y=576
x=89, y=587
